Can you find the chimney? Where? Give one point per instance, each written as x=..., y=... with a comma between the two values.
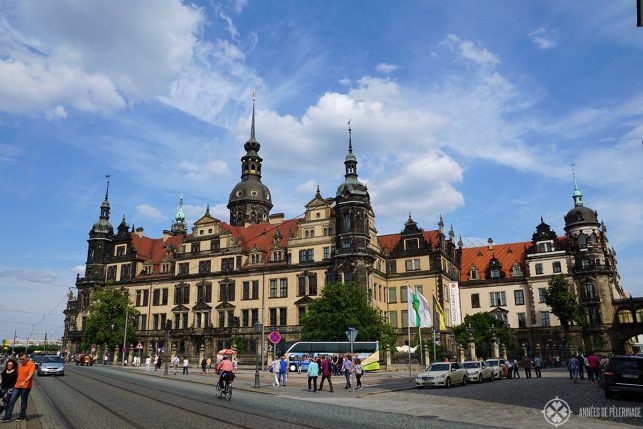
x=490, y=243
x=139, y=232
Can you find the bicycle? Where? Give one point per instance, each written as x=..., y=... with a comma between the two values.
x=226, y=391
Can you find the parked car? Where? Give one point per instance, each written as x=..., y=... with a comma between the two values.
x=623, y=374
x=496, y=365
x=52, y=365
x=479, y=371
x=442, y=374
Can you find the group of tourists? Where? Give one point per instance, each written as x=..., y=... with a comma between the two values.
x=578, y=365
x=324, y=365
x=16, y=381
x=511, y=369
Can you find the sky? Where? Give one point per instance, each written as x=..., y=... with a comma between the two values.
x=473, y=110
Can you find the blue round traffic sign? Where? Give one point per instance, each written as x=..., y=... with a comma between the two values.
x=274, y=337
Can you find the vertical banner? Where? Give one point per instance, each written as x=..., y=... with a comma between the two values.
x=454, y=294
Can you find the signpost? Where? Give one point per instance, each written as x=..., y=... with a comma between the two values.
x=274, y=338
x=351, y=333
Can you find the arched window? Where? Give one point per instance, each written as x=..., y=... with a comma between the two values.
x=306, y=233
x=325, y=231
x=582, y=240
x=312, y=233
x=625, y=316
x=473, y=273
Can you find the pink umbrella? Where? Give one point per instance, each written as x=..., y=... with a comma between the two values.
x=226, y=352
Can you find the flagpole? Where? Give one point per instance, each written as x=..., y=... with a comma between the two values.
x=434, y=355
x=409, y=348
x=420, y=339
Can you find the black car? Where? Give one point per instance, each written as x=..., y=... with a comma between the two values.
x=623, y=374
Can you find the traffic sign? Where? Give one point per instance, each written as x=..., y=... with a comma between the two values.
x=139, y=346
x=351, y=333
x=274, y=337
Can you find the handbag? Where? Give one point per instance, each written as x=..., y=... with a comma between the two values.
x=7, y=395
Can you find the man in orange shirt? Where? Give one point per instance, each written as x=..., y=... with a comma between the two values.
x=26, y=371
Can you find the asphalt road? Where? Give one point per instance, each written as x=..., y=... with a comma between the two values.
x=535, y=393
x=97, y=397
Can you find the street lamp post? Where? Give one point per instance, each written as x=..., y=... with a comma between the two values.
x=168, y=324
x=126, y=293
x=258, y=330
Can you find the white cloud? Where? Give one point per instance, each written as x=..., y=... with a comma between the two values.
x=309, y=187
x=542, y=38
x=202, y=171
x=468, y=50
x=58, y=112
x=78, y=269
x=386, y=68
x=73, y=57
x=345, y=82
x=150, y=212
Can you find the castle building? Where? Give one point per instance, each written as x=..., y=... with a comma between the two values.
x=211, y=285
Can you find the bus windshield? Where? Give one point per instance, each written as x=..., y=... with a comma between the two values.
x=301, y=352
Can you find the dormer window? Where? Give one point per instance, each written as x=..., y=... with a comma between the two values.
x=473, y=273
x=411, y=244
x=516, y=271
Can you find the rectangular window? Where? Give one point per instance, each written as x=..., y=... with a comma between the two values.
x=245, y=318
x=139, y=294
x=326, y=253
x=215, y=244
x=273, y=317
x=255, y=316
x=541, y=294
x=411, y=244
x=544, y=318
x=204, y=292
x=177, y=320
x=120, y=250
x=165, y=296
x=155, y=322
x=273, y=288
x=522, y=320
x=497, y=299
x=111, y=272
x=392, y=317
x=404, y=294
x=301, y=286
x=226, y=292
x=125, y=272
x=475, y=300
x=196, y=247
x=405, y=318
x=391, y=267
x=184, y=268
x=312, y=284
x=556, y=267
x=255, y=289
x=283, y=319
x=307, y=255
x=594, y=316
x=245, y=293
x=221, y=319
x=227, y=264
x=519, y=297
x=238, y=262
x=539, y=268
x=143, y=322
x=590, y=291
x=163, y=321
x=392, y=295
x=301, y=312
x=156, y=297
x=412, y=264
x=204, y=266
x=283, y=288
x=146, y=297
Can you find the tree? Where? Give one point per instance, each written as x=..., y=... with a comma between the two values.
x=239, y=345
x=561, y=298
x=106, y=318
x=342, y=305
x=481, y=324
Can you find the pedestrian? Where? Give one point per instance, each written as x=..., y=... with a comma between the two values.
x=515, y=368
x=593, y=365
x=274, y=367
x=573, y=366
x=347, y=369
x=359, y=371
x=186, y=365
x=159, y=361
x=509, y=369
x=313, y=373
x=9, y=377
x=283, y=370
x=156, y=361
x=298, y=364
x=326, y=371
x=22, y=388
x=537, y=363
x=209, y=365
x=527, y=363
x=581, y=365
x=106, y=359
x=204, y=366
x=335, y=361
x=175, y=363
x=148, y=362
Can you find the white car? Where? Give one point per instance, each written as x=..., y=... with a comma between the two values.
x=442, y=374
x=496, y=365
x=479, y=371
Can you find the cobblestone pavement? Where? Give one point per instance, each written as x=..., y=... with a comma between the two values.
x=391, y=398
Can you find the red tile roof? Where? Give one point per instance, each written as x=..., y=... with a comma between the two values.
x=389, y=241
x=506, y=254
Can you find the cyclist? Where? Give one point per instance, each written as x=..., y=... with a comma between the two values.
x=227, y=371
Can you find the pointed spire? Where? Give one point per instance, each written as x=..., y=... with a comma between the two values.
x=317, y=194
x=107, y=189
x=252, y=128
x=207, y=210
x=123, y=220
x=578, y=195
x=541, y=219
x=451, y=233
x=350, y=140
x=460, y=242
x=441, y=224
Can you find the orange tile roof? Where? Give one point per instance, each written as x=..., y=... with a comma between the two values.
x=506, y=254
x=389, y=241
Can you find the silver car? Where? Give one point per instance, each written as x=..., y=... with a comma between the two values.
x=479, y=371
x=52, y=365
x=442, y=374
x=496, y=364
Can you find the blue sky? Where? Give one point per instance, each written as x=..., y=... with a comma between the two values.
x=473, y=110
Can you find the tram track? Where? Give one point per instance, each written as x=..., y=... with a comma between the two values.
x=183, y=408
